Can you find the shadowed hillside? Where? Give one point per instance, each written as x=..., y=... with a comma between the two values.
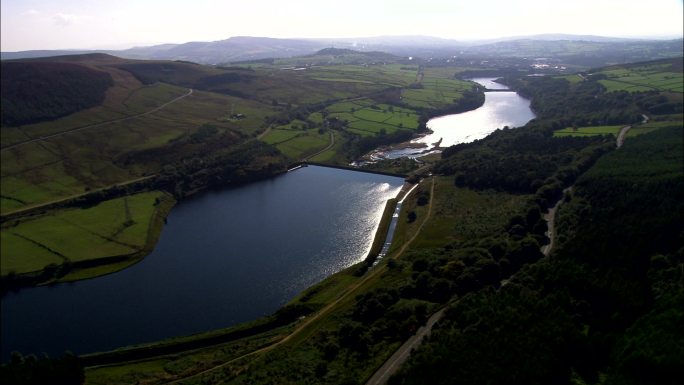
x=38, y=91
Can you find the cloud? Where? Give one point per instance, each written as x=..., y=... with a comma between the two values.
x=64, y=19
x=31, y=12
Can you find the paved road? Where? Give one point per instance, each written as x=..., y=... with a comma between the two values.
x=621, y=136
x=402, y=354
x=550, y=218
x=623, y=132
x=99, y=124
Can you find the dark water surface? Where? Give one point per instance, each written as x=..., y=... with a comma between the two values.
x=223, y=258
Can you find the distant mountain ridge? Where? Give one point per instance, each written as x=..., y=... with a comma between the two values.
x=243, y=48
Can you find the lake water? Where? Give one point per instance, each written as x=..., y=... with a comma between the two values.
x=501, y=108
x=224, y=258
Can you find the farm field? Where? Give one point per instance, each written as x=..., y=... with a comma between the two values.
x=412, y=91
x=75, y=235
x=76, y=162
x=366, y=118
x=664, y=77
x=161, y=119
x=392, y=75
x=461, y=214
x=297, y=143
x=637, y=129
x=574, y=78
x=437, y=92
x=588, y=131
x=653, y=126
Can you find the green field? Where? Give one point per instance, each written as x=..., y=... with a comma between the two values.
x=588, y=131
x=653, y=158
x=297, y=144
x=575, y=78
x=653, y=126
x=74, y=163
x=365, y=118
x=392, y=75
x=161, y=119
x=463, y=214
x=76, y=235
x=437, y=92
x=662, y=77
x=637, y=129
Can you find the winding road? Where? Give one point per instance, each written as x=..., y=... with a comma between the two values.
x=623, y=131
x=621, y=136
x=550, y=216
x=403, y=353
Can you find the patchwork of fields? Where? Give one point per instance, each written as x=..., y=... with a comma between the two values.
x=635, y=130
x=412, y=90
x=167, y=117
x=76, y=162
x=75, y=235
x=654, y=77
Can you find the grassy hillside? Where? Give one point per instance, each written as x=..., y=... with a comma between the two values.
x=136, y=139
x=661, y=75
x=72, y=236
x=183, y=127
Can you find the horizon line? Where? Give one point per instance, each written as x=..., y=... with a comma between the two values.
x=350, y=39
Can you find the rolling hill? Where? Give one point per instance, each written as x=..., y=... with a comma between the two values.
x=37, y=91
x=582, y=50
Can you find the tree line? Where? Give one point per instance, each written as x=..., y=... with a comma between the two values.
x=606, y=308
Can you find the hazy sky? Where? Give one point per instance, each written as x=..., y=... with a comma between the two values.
x=56, y=24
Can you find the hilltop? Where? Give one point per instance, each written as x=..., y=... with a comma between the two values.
x=580, y=50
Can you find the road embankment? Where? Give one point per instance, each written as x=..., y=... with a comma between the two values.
x=380, y=236
x=340, y=167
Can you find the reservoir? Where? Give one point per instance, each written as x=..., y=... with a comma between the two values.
x=501, y=108
x=225, y=257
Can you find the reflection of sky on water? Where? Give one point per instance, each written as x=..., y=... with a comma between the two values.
x=224, y=257
x=500, y=109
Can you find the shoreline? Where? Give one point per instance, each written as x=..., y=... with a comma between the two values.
x=98, y=267
x=425, y=131
x=279, y=319
x=95, y=268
